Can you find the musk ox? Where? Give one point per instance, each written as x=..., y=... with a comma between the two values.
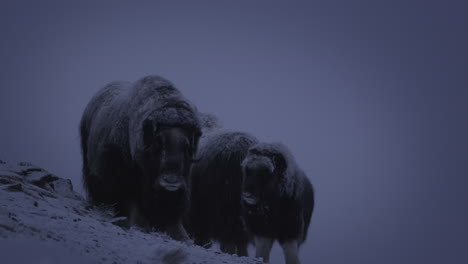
x=215, y=212
x=277, y=200
x=138, y=142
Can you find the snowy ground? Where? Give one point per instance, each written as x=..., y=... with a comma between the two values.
x=42, y=220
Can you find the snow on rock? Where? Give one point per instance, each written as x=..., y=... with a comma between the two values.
x=42, y=220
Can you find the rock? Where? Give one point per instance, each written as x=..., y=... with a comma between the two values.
x=15, y=187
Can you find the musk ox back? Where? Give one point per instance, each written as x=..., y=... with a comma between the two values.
x=277, y=200
x=137, y=144
x=215, y=212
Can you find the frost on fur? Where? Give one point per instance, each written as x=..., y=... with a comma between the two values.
x=215, y=212
x=209, y=123
x=277, y=200
x=138, y=141
x=269, y=153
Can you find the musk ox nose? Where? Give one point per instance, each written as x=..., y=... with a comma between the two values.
x=249, y=198
x=170, y=182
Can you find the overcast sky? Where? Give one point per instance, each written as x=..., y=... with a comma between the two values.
x=370, y=97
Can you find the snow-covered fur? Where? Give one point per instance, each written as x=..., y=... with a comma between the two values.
x=136, y=140
x=215, y=212
x=277, y=199
x=210, y=123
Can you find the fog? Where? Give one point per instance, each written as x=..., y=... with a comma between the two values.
x=370, y=97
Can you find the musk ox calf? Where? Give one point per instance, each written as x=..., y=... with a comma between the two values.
x=215, y=212
x=137, y=142
x=277, y=200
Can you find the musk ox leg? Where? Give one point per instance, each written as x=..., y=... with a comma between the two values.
x=135, y=216
x=177, y=232
x=291, y=251
x=110, y=183
x=263, y=247
x=234, y=248
x=202, y=241
x=242, y=250
x=228, y=247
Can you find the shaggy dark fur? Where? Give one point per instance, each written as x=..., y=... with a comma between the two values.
x=277, y=199
x=137, y=142
x=216, y=192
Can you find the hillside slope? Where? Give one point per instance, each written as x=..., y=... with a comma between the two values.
x=42, y=220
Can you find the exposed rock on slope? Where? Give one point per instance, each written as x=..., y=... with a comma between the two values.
x=42, y=220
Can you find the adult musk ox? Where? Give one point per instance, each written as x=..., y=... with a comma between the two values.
x=215, y=212
x=137, y=142
x=277, y=200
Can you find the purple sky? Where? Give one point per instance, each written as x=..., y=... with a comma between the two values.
x=371, y=97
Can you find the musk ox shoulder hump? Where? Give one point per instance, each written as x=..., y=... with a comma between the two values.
x=225, y=142
x=157, y=99
x=154, y=86
x=291, y=184
x=209, y=123
x=104, y=97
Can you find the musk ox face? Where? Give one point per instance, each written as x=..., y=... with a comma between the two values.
x=260, y=177
x=168, y=156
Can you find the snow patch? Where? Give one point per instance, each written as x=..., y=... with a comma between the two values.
x=42, y=220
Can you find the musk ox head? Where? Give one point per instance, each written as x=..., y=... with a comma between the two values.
x=263, y=173
x=168, y=153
